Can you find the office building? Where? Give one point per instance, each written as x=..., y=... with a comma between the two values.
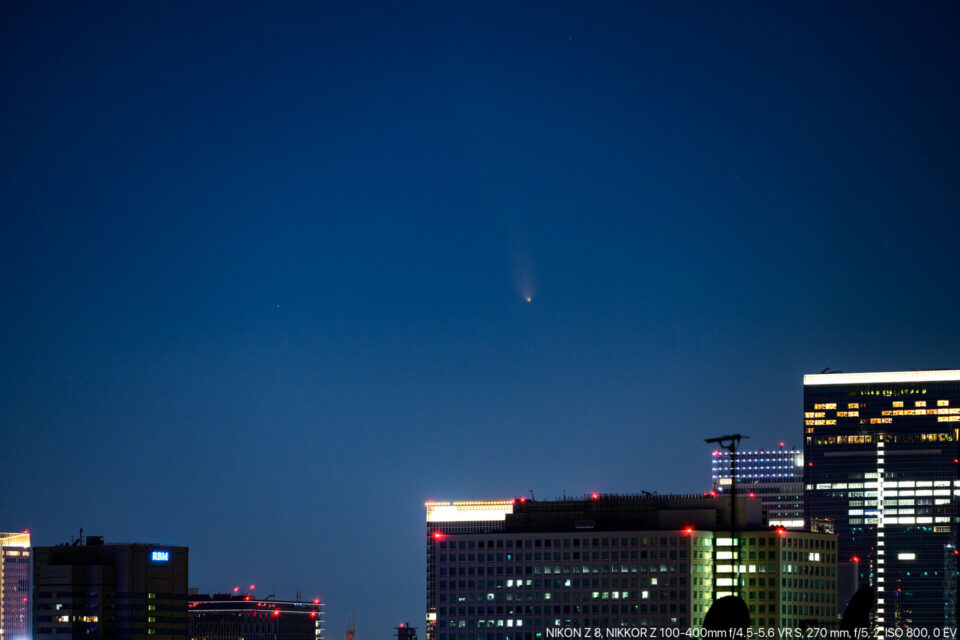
x=95, y=590
x=227, y=616
x=774, y=477
x=15, y=586
x=881, y=462
x=510, y=570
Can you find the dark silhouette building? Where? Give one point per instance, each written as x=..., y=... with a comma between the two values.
x=404, y=631
x=227, y=616
x=95, y=590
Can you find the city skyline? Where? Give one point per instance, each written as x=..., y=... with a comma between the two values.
x=275, y=275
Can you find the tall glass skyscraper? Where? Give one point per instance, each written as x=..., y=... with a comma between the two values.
x=882, y=461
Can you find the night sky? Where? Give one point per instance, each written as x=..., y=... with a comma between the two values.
x=263, y=267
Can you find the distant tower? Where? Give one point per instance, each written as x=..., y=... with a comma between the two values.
x=351, y=632
x=14, y=585
x=404, y=631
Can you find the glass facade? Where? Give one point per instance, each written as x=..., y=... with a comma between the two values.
x=881, y=461
x=774, y=477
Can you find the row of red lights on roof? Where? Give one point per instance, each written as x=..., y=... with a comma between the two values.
x=596, y=496
x=713, y=494
x=246, y=598
x=686, y=531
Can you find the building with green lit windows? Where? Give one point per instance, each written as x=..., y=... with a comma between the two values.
x=513, y=569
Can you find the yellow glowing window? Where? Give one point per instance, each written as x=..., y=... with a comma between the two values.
x=943, y=403
x=825, y=405
x=853, y=405
x=848, y=414
x=948, y=418
x=920, y=403
x=898, y=403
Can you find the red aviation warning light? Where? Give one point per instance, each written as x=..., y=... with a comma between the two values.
x=252, y=587
x=782, y=445
x=752, y=494
x=594, y=496
x=236, y=589
x=438, y=535
x=688, y=531
x=855, y=559
x=781, y=531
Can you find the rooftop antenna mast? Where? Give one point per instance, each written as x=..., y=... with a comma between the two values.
x=351, y=632
x=731, y=443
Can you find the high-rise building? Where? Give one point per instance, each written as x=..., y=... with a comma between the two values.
x=15, y=586
x=227, y=616
x=510, y=570
x=775, y=477
x=882, y=462
x=97, y=590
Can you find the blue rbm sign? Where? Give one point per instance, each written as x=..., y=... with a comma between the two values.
x=160, y=556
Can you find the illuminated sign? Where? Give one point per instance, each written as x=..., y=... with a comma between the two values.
x=160, y=556
x=469, y=511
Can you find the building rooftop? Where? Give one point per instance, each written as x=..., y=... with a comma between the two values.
x=601, y=512
x=921, y=375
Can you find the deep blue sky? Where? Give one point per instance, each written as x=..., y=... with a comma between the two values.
x=262, y=265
